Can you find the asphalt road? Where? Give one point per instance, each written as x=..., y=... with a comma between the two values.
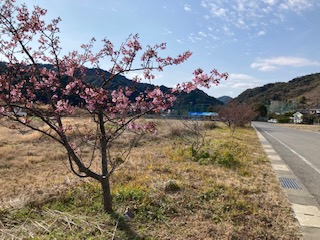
x=300, y=150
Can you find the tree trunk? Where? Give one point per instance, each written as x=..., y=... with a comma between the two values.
x=106, y=194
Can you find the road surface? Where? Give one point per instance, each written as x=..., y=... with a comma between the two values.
x=300, y=150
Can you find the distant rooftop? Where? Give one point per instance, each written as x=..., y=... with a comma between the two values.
x=205, y=114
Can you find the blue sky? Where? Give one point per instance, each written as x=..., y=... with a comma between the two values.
x=256, y=42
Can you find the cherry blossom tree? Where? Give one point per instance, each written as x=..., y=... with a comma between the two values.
x=37, y=80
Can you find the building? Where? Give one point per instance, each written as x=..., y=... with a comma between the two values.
x=297, y=117
x=315, y=110
x=202, y=115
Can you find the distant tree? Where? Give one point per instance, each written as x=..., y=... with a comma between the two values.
x=309, y=119
x=236, y=115
x=283, y=118
x=260, y=110
x=50, y=94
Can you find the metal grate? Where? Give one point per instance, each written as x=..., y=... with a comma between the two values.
x=290, y=183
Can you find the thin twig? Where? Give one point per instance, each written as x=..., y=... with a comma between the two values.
x=6, y=233
x=115, y=229
x=40, y=225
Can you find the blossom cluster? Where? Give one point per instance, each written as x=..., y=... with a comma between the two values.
x=201, y=79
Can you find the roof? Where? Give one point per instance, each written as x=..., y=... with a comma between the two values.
x=298, y=114
x=204, y=114
x=315, y=108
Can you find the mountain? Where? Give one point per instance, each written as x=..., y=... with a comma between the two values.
x=225, y=99
x=303, y=91
x=196, y=100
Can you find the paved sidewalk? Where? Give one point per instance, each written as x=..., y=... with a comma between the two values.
x=304, y=205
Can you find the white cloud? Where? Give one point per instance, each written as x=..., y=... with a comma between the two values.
x=263, y=67
x=227, y=31
x=132, y=75
x=240, y=76
x=240, y=23
x=191, y=37
x=270, y=2
x=187, y=8
x=202, y=34
x=271, y=64
x=261, y=33
x=242, y=81
x=214, y=37
x=167, y=31
x=215, y=8
x=219, y=12
x=245, y=85
x=196, y=37
x=296, y=5
x=252, y=15
x=204, y=4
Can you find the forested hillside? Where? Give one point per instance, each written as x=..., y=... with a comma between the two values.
x=196, y=100
x=302, y=90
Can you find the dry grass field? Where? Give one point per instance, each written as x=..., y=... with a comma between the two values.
x=305, y=127
x=32, y=167
x=226, y=191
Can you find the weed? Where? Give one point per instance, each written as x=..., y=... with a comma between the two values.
x=134, y=194
x=225, y=154
x=155, y=209
x=227, y=159
x=171, y=187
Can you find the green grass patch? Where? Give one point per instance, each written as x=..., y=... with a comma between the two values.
x=229, y=154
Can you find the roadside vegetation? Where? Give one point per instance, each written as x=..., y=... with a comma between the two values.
x=165, y=190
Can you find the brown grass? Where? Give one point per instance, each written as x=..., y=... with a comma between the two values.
x=254, y=185
x=212, y=201
x=31, y=167
x=304, y=127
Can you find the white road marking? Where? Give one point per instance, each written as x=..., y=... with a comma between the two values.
x=280, y=167
x=274, y=157
x=267, y=146
x=297, y=154
x=269, y=151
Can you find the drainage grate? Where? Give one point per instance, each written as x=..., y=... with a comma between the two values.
x=290, y=183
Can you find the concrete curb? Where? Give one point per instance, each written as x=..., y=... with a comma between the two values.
x=304, y=205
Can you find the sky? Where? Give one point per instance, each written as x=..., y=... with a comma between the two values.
x=255, y=41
